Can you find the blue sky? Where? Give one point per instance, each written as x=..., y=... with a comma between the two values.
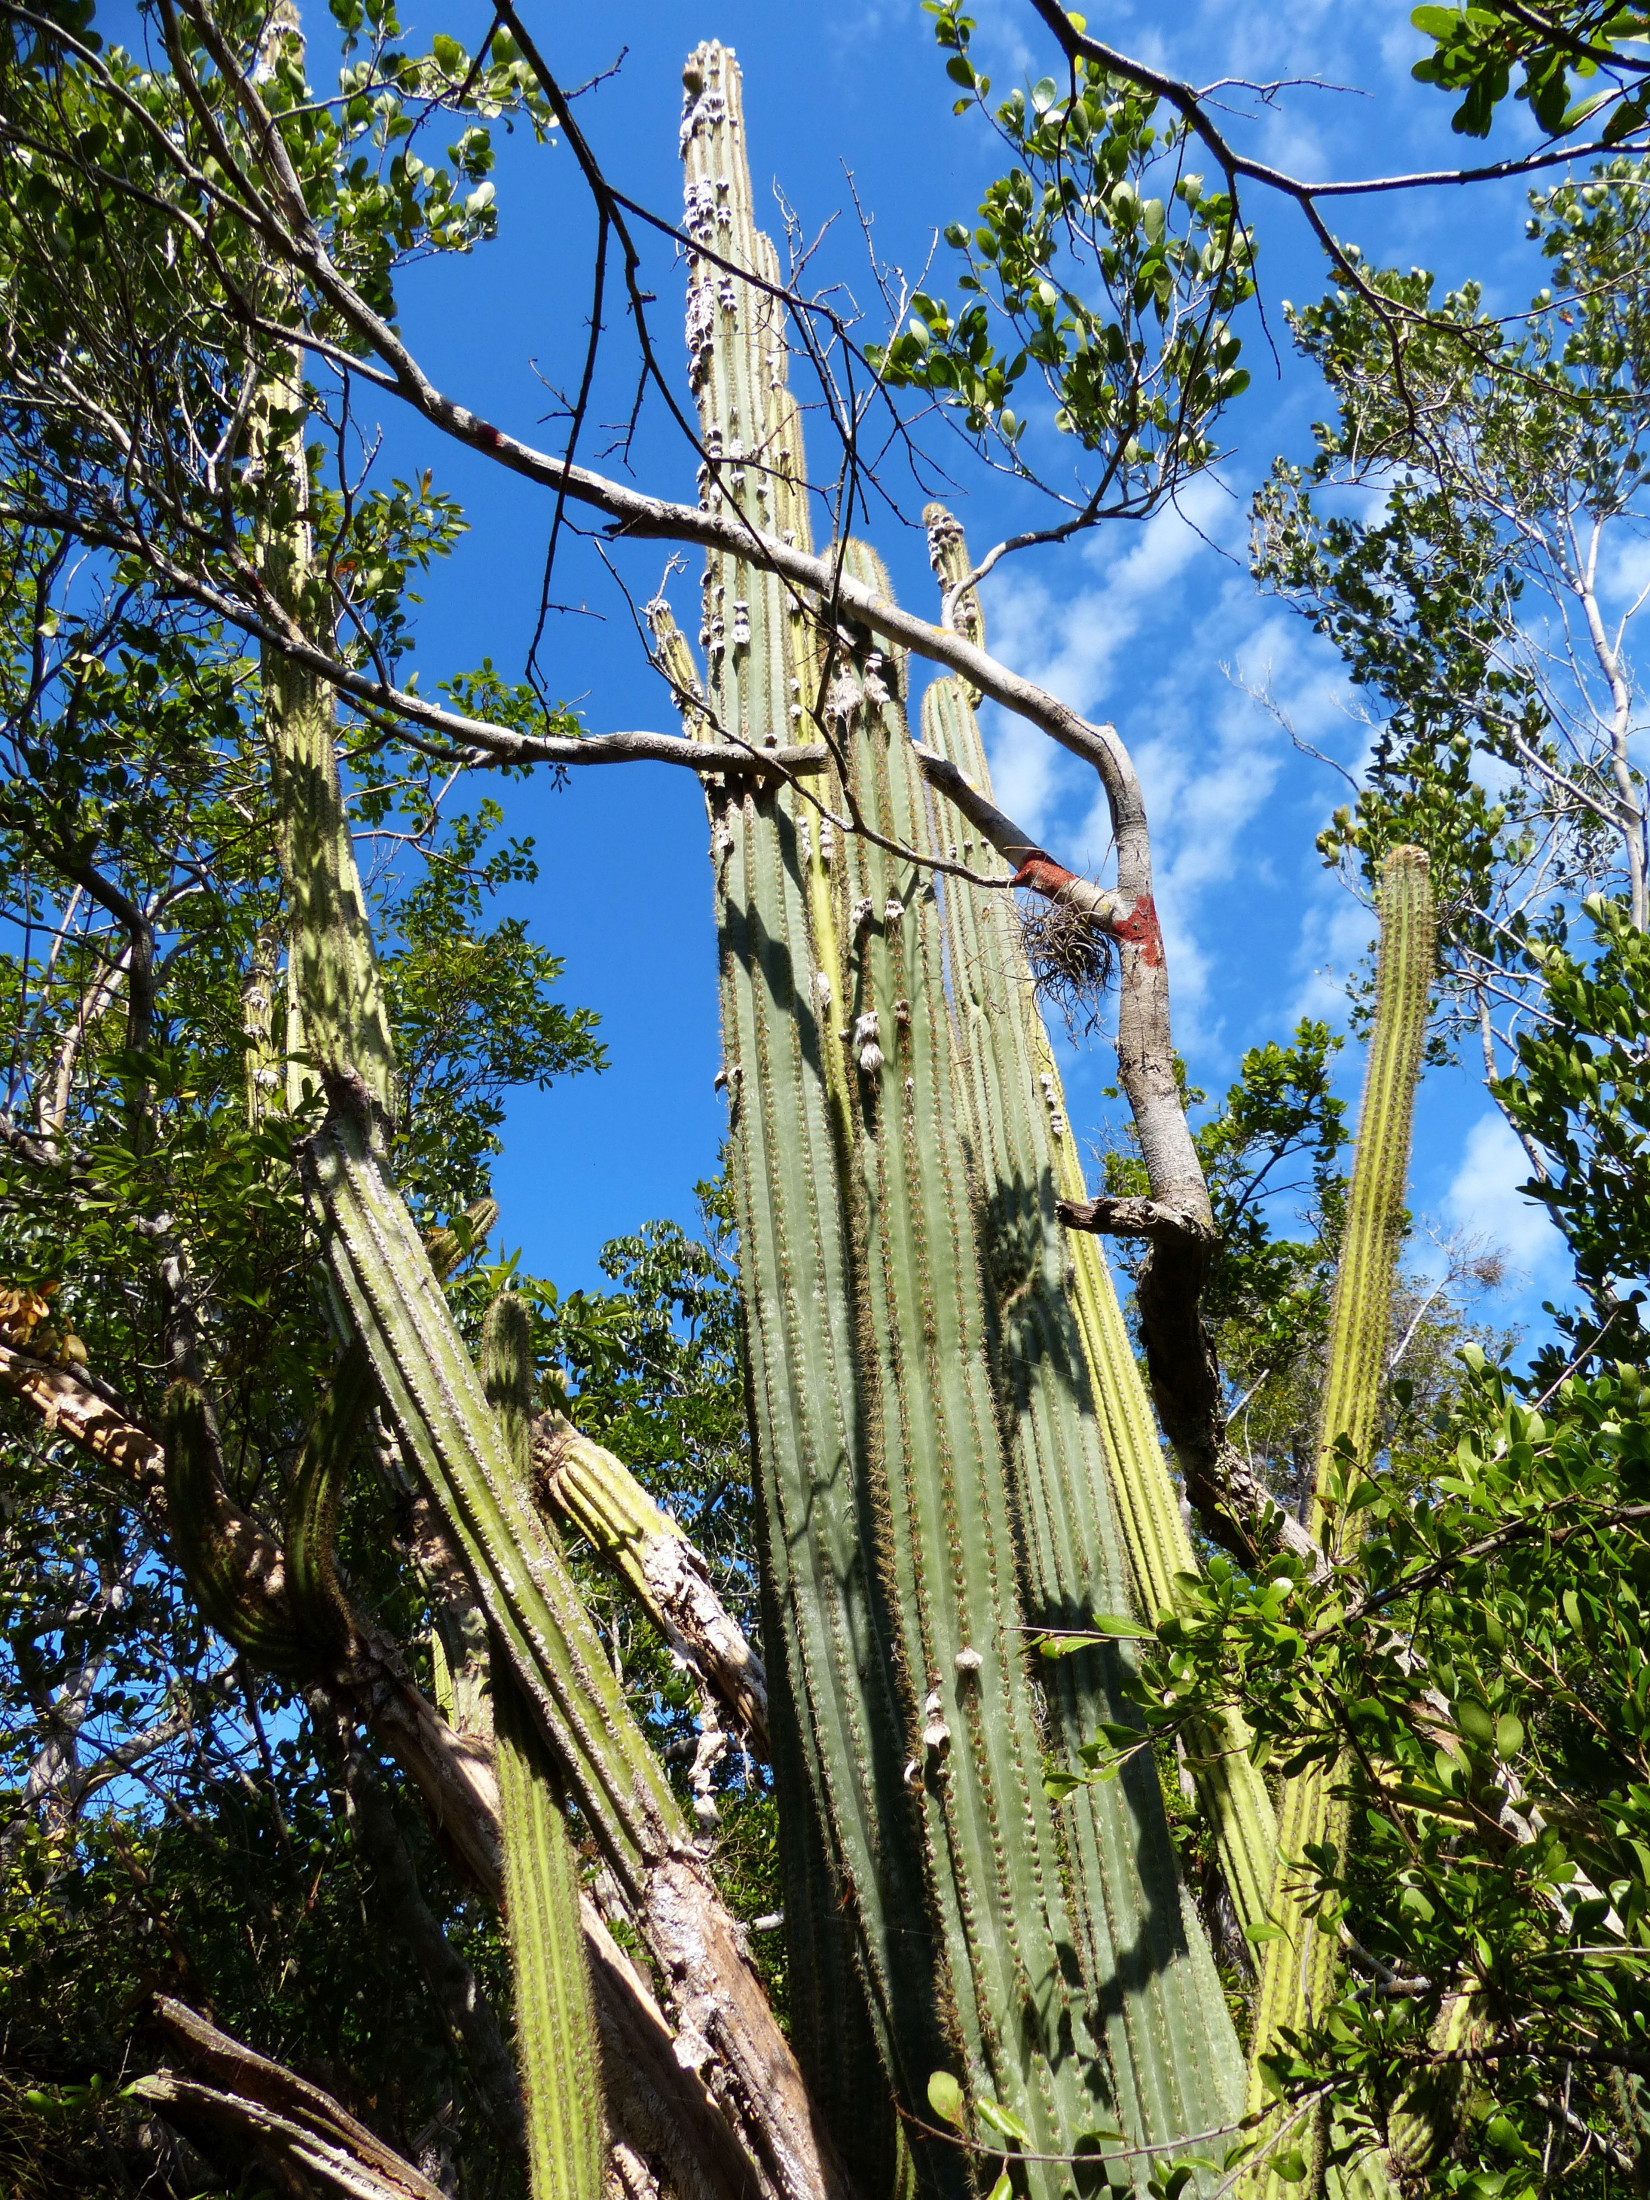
x=1156, y=626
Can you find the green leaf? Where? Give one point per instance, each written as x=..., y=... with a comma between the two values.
x=1509, y=1734
x=945, y=2098
x=1475, y=1722
x=1003, y=2120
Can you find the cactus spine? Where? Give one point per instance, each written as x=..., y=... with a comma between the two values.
x=1298, y=1968
x=555, y=2017
x=990, y=1938
x=1026, y=1156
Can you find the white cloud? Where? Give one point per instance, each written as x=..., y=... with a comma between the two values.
x=1484, y=1198
x=1336, y=932
x=1626, y=569
x=1143, y=636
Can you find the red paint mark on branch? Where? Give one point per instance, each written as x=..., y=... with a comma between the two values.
x=1042, y=874
x=1140, y=928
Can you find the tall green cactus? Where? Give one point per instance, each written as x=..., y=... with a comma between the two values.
x=1299, y=1967
x=846, y=1834
x=1080, y=1380
x=920, y=1516
x=555, y=2017
x=336, y=1012
x=1071, y=1555
x=385, y=1294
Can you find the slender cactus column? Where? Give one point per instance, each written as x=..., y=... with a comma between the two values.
x=1026, y=1156
x=385, y=1293
x=935, y=1460
x=391, y=1299
x=868, y=2008
x=1170, y=2041
x=336, y=1013
x=555, y=2015
x=1298, y=1968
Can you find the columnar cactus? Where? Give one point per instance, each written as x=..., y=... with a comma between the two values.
x=1298, y=1968
x=1074, y=1368
x=1062, y=1458
x=387, y=1299
x=922, y=1516
x=555, y=2018
x=336, y=1013
x=388, y=1295
x=338, y=1017
x=846, y=1828
x=585, y=1485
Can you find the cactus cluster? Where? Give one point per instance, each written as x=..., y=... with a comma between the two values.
x=954, y=1451
x=930, y=1452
